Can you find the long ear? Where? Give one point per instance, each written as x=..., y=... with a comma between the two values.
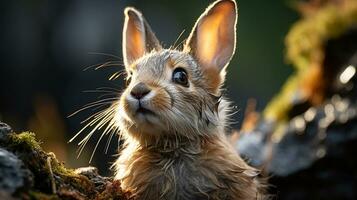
x=212, y=40
x=138, y=37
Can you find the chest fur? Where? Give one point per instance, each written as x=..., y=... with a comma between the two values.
x=183, y=176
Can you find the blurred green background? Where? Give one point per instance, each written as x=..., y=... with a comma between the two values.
x=46, y=45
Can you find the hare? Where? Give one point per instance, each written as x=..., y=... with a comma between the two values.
x=173, y=117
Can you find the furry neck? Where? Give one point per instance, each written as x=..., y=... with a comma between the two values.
x=193, y=170
x=167, y=143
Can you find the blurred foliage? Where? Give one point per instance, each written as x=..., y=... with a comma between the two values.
x=305, y=50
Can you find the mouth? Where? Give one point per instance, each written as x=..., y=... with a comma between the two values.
x=144, y=111
x=145, y=117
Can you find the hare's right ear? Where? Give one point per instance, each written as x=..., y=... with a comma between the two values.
x=138, y=38
x=212, y=40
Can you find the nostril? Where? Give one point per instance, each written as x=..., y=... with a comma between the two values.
x=139, y=90
x=139, y=95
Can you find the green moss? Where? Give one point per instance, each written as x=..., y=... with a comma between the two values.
x=25, y=139
x=58, y=167
x=46, y=165
x=69, y=175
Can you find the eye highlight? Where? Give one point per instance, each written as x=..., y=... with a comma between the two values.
x=179, y=76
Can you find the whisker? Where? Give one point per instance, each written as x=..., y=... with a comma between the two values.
x=116, y=75
x=99, y=125
x=109, y=88
x=111, y=95
x=97, y=91
x=101, y=116
x=108, y=65
x=102, y=64
x=95, y=148
x=89, y=106
x=94, y=104
x=92, y=116
x=108, y=141
x=105, y=132
x=94, y=119
x=105, y=54
x=105, y=116
x=182, y=32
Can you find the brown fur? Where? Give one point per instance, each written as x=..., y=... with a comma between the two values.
x=181, y=150
x=206, y=170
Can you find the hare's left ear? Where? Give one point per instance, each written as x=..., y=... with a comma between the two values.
x=212, y=40
x=138, y=38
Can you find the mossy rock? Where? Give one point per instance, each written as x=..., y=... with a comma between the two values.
x=42, y=176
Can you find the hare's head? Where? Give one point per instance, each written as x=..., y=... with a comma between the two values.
x=172, y=93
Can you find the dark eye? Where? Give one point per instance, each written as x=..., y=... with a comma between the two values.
x=179, y=76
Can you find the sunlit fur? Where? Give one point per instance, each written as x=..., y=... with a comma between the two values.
x=181, y=152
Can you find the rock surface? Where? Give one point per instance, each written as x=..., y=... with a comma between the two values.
x=12, y=173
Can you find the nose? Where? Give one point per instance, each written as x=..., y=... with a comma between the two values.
x=139, y=90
